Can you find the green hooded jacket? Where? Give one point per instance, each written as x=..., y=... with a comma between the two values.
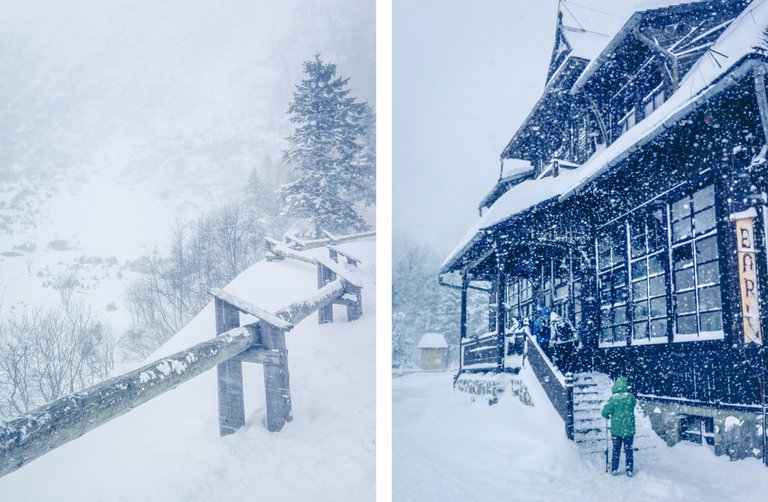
x=620, y=408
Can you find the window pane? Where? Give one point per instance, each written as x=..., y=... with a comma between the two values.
x=709, y=298
x=657, y=285
x=640, y=310
x=620, y=315
x=639, y=289
x=682, y=256
x=704, y=220
x=704, y=198
x=606, y=335
x=659, y=307
x=605, y=317
x=619, y=278
x=712, y=321
x=685, y=303
x=620, y=333
x=656, y=264
x=681, y=229
x=620, y=294
x=681, y=208
x=640, y=330
x=684, y=279
x=709, y=273
x=686, y=325
x=638, y=246
x=706, y=249
x=639, y=269
x=659, y=328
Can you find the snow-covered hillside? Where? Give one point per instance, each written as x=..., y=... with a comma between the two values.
x=448, y=449
x=169, y=449
x=119, y=116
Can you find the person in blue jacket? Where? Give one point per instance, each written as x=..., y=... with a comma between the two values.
x=541, y=328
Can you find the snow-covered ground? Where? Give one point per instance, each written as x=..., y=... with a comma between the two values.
x=169, y=449
x=447, y=448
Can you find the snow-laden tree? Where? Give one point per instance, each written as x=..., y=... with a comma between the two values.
x=326, y=152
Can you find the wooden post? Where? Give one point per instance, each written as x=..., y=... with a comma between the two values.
x=463, y=322
x=501, y=283
x=324, y=276
x=276, y=378
x=230, y=375
x=355, y=309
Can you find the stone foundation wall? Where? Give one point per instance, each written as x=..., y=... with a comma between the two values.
x=737, y=433
x=490, y=386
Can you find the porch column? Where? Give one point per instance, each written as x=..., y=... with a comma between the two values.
x=501, y=287
x=463, y=322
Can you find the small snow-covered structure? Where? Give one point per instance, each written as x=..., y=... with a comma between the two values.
x=434, y=352
x=642, y=221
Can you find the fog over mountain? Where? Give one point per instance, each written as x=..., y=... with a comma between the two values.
x=171, y=101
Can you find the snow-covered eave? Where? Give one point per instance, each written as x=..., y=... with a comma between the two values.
x=619, y=151
x=478, y=231
x=551, y=85
x=493, y=193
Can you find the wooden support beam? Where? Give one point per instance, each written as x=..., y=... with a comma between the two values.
x=351, y=260
x=340, y=270
x=276, y=379
x=258, y=355
x=298, y=311
x=229, y=375
x=59, y=422
x=324, y=276
x=249, y=308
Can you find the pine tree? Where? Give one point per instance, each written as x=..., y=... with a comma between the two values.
x=325, y=151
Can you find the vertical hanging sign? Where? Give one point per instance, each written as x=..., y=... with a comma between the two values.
x=745, y=245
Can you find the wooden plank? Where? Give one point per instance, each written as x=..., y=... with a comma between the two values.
x=229, y=375
x=339, y=239
x=340, y=270
x=293, y=254
x=298, y=311
x=54, y=424
x=258, y=355
x=346, y=255
x=249, y=308
x=276, y=379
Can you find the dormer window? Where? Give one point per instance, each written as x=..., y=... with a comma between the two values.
x=653, y=100
x=628, y=121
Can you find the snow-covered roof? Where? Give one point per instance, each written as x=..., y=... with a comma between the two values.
x=739, y=40
x=512, y=168
x=514, y=201
x=589, y=25
x=432, y=341
x=703, y=80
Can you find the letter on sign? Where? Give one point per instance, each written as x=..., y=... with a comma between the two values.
x=750, y=306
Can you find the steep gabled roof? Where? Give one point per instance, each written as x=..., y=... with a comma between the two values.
x=741, y=46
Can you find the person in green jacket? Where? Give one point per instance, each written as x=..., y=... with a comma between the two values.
x=620, y=408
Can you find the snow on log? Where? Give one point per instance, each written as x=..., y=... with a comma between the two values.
x=54, y=424
x=298, y=311
x=343, y=272
x=249, y=308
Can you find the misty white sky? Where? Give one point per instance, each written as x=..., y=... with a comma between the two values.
x=465, y=76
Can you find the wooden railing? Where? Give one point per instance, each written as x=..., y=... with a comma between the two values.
x=558, y=387
x=480, y=354
x=65, y=419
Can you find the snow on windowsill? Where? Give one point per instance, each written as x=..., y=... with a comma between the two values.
x=649, y=341
x=699, y=337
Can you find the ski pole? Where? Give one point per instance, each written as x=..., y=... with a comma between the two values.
x=606, y=445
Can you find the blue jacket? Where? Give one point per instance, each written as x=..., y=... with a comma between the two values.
x=541, y=326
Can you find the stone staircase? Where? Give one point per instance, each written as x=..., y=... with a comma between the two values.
x=590, y=392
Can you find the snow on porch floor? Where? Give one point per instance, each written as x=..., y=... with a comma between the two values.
x=446, y=448
x=169, y=449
